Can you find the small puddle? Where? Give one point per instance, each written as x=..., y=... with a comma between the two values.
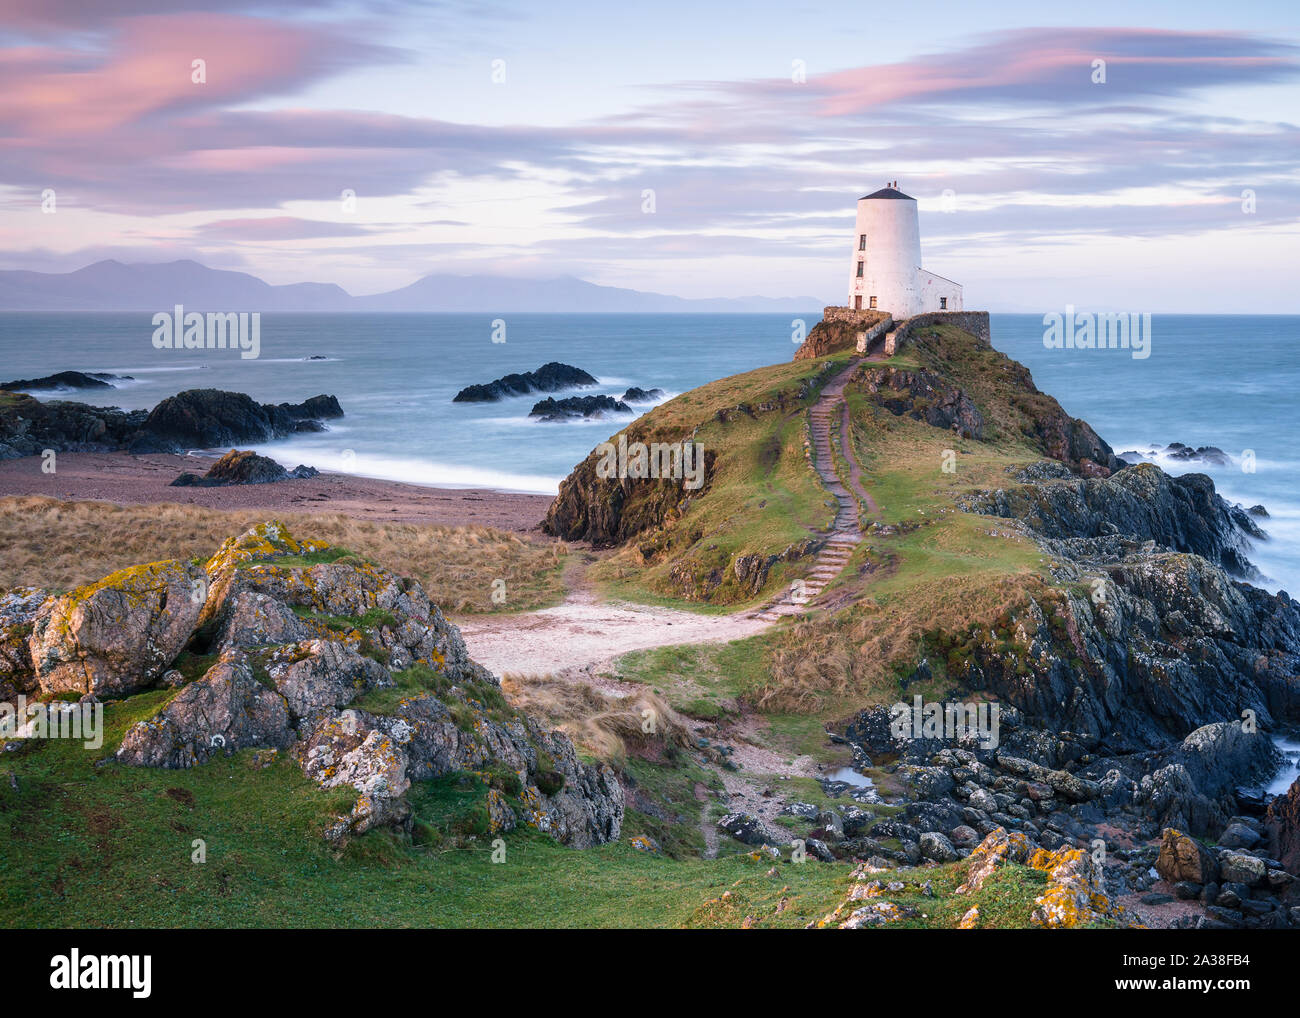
x=851, y=777
x=860, y=787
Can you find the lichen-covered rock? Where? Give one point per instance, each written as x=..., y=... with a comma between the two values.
x=1241, y=868
x=1075, y=894
x=252, y=619
x=120, y=634
x=320, y=674
x=18, y=611
x=225, y=710
x=937, y=847
x=284, y=680
x=415, y=631
x=348, y=749
x=501, y=818
x=1184, y=859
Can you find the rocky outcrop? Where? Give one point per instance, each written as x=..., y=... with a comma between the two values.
x=1094, y=516
x=198, y=418
x=226, y=710
x=243, y=466
x=577, y=408
x=120, y=634
x=66, y=380
x=551, y=377
x=1075, y=894
x=207, y=418
x=19, y=609
x=28, y=427
x=638, y=395
x=298, y=647
x=922, y=396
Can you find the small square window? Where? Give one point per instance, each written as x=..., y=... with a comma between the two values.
x=873, y=303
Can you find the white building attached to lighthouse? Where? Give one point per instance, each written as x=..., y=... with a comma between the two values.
x=886, y=273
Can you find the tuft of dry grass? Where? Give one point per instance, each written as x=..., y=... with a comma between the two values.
x=853, y=655
x=607, y=727
x=58, y=545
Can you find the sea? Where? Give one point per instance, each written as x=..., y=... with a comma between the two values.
x=1228, y=381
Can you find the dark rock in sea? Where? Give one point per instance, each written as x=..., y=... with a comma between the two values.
x=243, y=466
x=550, y=377
x=576, y=407
x=28, y=426
x=197, y=418
x=1258, y=510
x=315, y=408
x=67, y=380
x=635, y=395
x=1205, y=454
x=203, y=418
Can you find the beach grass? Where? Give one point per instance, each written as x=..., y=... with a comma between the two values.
x=57, y=545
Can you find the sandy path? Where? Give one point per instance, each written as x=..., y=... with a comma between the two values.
x=584, y=632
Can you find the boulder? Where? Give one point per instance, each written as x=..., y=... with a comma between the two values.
x=243, y=467
x=743, y=828
x=225, y=710
x=1238, y=867
x=118, y=635
x=1184, y=859
x=937, y=847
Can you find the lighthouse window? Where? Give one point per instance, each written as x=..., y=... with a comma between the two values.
x=860, y=264
x=862, y=241
x=873, y=303
x=943, y=303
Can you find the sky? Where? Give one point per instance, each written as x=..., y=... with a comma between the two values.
x=1113, y=156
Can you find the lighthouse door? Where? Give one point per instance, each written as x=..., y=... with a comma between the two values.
x=857, y=303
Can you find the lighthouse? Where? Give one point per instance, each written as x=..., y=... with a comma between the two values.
x=885, y=273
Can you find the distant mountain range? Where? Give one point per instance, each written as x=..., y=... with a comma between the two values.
x=114, y=286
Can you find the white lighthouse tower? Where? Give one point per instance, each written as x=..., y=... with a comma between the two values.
x=886, y=273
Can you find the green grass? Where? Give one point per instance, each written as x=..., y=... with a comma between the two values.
x=111, y=846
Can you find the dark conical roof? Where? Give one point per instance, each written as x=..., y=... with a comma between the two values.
x=887, y=192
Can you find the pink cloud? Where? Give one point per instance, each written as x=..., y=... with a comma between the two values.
x=147, y=69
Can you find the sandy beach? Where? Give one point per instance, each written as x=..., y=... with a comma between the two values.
x=123, y=479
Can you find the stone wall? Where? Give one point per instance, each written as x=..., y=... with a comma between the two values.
x=839, y=329
x=974, y=322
